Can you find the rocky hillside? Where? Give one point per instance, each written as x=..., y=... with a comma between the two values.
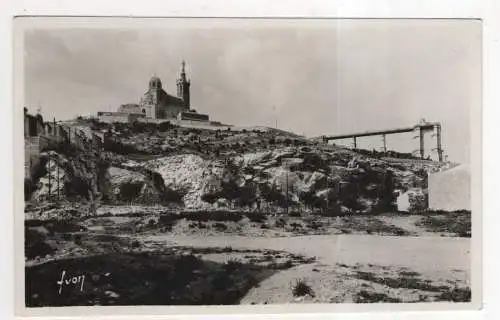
x=245, y=169
x=66, y=174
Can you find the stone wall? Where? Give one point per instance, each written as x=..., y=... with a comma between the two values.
x=193, y=116
x=121, y=117
x=111, y=117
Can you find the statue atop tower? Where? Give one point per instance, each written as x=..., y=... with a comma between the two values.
x=183, y=85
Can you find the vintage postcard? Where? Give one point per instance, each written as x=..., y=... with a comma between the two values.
x=246, y=164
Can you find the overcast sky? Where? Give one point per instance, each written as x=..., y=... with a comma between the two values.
x=323, y=76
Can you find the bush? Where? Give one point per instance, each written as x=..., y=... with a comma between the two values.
x=458, y=222
x=62, y=226
x=35, y=245
x=151, y=223
x=119, y=147
x=272, y=194
x=372, y=297
x=219, y=226
x=165, y=126
x=232, y=265
x=171, y=195
x=280, y=223
x=456, y=295
x=130, y=190
x=401, y=233
x=201, y=225
x=77, y=186
x=212, y=216
x=301, y=288
x=210, y=197
x=295, y=226
x=256, y=217
x=334, y=210
x=201, y=216
x=314, y=162
x=168, y=219
x=77, y=239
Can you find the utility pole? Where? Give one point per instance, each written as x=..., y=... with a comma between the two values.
x=327, y=194
x=275, y=117
x=50, y=180
x=439, y=147
x=287, y=192
x=385, y=143
x=422, y=151
x=57, y=182
x=92, y=157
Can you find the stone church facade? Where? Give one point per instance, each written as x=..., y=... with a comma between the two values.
x=157, y=104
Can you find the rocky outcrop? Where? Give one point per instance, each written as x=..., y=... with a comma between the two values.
x=68, y=176
x=190, y=176
x=129, y=186
x=293, y=177
x=244, y=170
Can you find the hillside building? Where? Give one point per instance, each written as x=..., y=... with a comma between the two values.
x=33, y=124
x=157, y=104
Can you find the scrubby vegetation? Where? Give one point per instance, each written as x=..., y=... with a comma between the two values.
x=373, y=297
x=35, y=244
x=457, y=222
x=389, y=153
x=412, y=281
x=408, y=282
x=301, y=288
x=141, y=279
x=456, y=295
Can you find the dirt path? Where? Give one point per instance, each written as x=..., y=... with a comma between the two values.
x=425, y=254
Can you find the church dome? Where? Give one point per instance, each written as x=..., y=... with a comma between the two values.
x=155, y=83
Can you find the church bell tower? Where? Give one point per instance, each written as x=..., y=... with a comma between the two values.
x=183, y=85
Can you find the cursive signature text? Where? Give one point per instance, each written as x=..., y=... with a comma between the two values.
x=71, y=281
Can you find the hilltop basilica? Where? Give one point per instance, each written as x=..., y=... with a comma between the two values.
x=157, y=105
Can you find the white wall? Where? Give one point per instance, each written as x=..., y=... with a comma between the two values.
x=450, y=190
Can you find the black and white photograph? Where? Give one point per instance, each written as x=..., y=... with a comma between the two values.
x=231, y=161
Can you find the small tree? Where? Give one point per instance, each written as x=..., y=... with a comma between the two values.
x=247, y=195
x=211, y=197
x=165, y=126
x=131, y=190
x=386, y=193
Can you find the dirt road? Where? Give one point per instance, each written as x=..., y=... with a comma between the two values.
x=418, y=253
